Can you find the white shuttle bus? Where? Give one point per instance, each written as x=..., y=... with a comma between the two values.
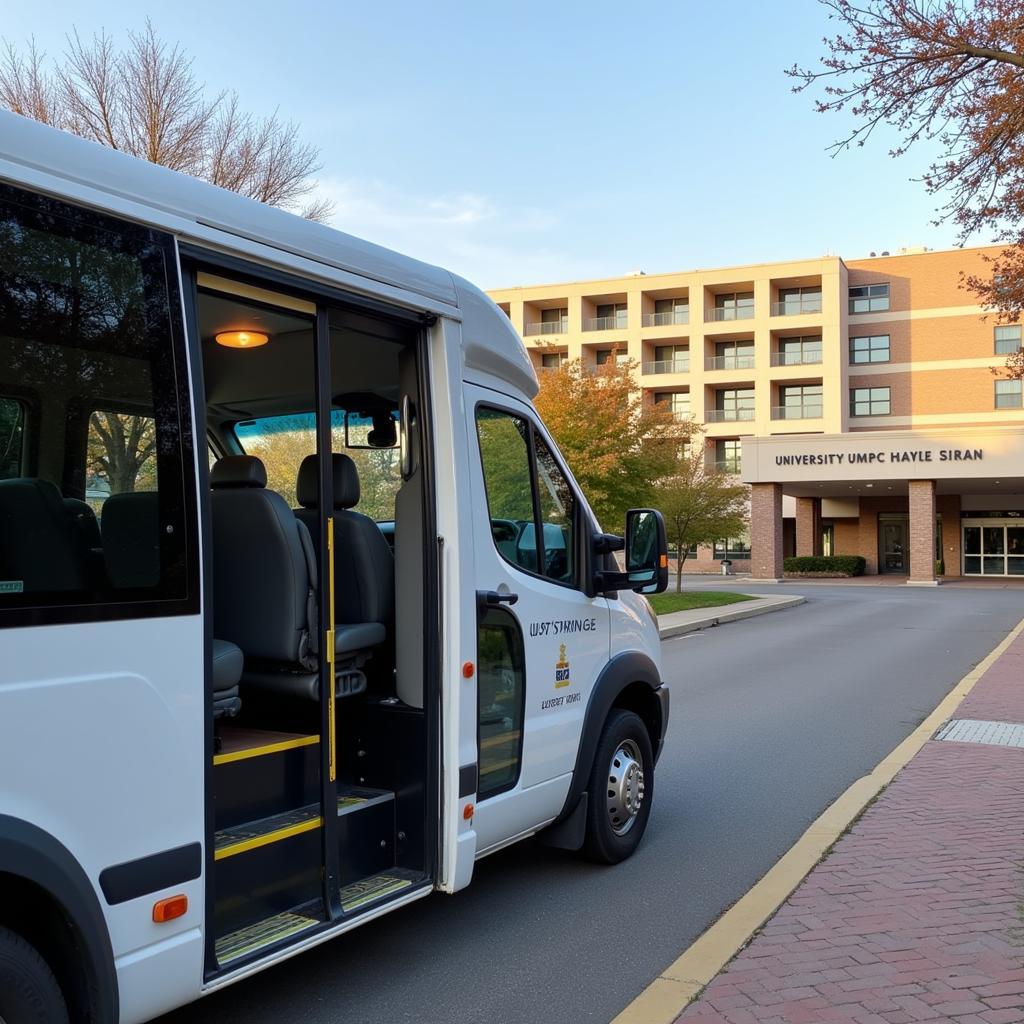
x=301, y=611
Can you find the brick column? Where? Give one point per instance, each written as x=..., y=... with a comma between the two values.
x=766, y=531
x=922, y=532
x=808, y=526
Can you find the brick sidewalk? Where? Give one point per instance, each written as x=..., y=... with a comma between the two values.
x=918, y=913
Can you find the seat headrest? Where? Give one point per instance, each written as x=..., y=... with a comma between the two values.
x=346, y=481
x=238, y=471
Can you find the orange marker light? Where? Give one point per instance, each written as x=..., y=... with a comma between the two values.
x=467, y=670
x=170, y=908
x=467, y=812
x=663, y=562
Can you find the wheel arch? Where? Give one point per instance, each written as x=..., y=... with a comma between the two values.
x=46, y=897
x=631, y=680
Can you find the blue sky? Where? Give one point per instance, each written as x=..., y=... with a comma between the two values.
x=530, y=142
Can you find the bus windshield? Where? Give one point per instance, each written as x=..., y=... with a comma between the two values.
x=282, y=442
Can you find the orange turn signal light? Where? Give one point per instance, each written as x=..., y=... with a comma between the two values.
x=170, y=908
x=663, y=562
x=467, y=670
x=467, y=812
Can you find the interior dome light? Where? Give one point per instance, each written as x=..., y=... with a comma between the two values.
x=241, y=339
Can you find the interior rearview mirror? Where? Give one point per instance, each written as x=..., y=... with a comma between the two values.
x=376, y=430
x=646, y=551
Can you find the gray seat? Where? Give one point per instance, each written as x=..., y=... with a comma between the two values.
x=264, y=582
x=227, y=671
x=364, y=567
x=131, y=539
x=39, y=546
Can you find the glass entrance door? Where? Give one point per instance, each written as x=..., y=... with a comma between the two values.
x=892, y=543
x=993, y=549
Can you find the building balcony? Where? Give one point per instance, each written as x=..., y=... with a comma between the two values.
x=729, y=415
x=796, y=359
x=667, y=366
x=716, y=315
x=605, y=323
x=547, y=369
x=556, y=327
x=676, y=316
x=729, y=363
x=797, y=412
x=797, y=306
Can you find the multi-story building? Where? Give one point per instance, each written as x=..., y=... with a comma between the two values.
x=856, y=397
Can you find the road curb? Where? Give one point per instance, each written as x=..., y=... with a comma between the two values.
x=730, y=613
x=670, y=993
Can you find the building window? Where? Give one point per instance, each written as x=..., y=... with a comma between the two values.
x=793, y=301
x=871, y=349
x=869, y=402
x=1008, y=394
x=668, y=311
x=613, y=315
x=555, y=316
x=828, y=539
x=869, y=298
x=732, y=547
x=610, y=355
x=671, y=359
x=727, y=454
x=733, y=355
x=677, y=402
x=733, y=404
x=734, y=306
x=1008, y=340
x=799, y=351
x=553, y=360
x=799, y=402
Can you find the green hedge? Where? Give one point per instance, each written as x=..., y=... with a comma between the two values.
x=849, y=565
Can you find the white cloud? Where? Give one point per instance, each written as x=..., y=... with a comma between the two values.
x=465, y=232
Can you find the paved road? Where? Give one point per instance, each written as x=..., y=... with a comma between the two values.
x=771, y=719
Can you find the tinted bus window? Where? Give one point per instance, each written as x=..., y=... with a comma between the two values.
x=92, y=509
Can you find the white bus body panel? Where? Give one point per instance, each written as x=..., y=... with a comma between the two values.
x=102, y=725
x=551, y=616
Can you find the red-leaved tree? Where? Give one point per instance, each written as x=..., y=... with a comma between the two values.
x=952, y=72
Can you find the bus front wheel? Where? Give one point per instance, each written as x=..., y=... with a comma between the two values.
x=29, y=993
x=620, y=789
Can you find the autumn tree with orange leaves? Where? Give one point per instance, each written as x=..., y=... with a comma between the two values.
x=949, y=72
x=618, y=446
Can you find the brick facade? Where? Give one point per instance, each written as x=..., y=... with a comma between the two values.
x=808, y=526
x=922, y=530
x=766, y=531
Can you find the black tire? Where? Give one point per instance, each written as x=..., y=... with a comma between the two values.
x=604, y=842
x=29, y=993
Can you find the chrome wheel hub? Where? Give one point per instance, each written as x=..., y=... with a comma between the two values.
x=625, y=787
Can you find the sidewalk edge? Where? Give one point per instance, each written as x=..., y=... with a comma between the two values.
x=669, y=994
x=779, y=604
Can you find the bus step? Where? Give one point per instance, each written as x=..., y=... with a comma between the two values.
x=229, y=842
x=263, y=933
x=359, y=798
x=369, y=890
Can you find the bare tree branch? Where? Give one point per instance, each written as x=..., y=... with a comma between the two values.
x=950, y=71
x=145, y=99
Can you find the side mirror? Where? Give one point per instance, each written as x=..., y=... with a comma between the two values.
x=646, y=551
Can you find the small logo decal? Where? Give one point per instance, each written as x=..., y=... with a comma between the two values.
x=561, y=668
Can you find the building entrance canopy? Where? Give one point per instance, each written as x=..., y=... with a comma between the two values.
x=916, y=502
x=967, y=460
